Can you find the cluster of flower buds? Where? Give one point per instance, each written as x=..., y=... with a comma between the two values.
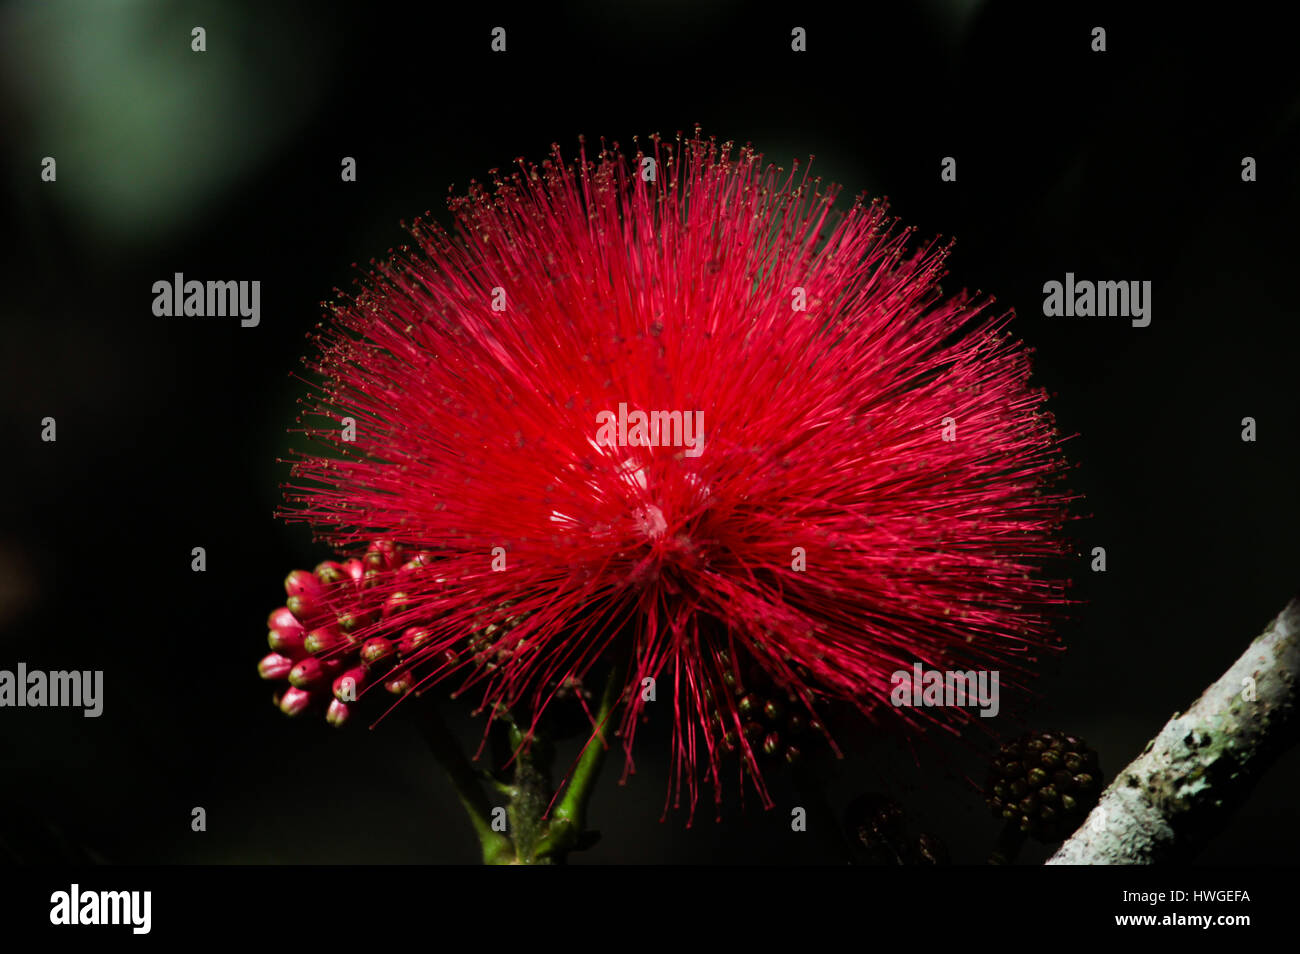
x=347, y=628
x=323, y=641
x=774, y=723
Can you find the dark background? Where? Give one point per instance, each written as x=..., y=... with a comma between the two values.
x=225, y=165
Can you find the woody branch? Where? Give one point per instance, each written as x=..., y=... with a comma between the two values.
x=1182, y=789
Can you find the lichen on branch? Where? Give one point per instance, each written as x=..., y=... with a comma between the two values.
x=1170, y=800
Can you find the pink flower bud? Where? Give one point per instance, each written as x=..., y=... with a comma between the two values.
x=307, y=673
x=287, y=642
x=395, y=603
x=330, y=572
x=382, y=555
x=274, y=666
x=294, y=701
x=347, y=687
x=283, y=618
x=374, y=650
x=400, y=684
x=412, y=639
x=308, y=608
x=417, y=562
x=303, y=582
x=350, y=622
x=337, y=713
x=319, y=640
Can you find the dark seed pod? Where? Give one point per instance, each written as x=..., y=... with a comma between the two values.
x=1045, y=782
x=880, y=833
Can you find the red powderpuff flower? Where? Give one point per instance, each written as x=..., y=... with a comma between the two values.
x=671, y=412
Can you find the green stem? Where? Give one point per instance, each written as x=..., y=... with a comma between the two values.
x=569, y=819
x=533, y=837
x=532, y=792
x=497, y=848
